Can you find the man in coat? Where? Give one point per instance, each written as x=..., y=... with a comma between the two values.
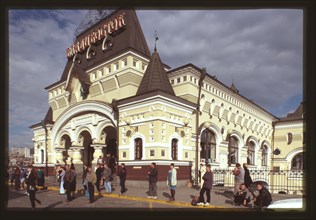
x=152, y=178
x=239, y=174
x=264, y=198
x=31, y=185
x=207, y=187
x=69, y=181
x=91, y=180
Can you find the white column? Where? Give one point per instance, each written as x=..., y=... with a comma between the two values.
x=77, y=155
x=97, y=151
x=59, y=154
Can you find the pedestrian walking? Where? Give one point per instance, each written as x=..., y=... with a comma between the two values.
x=61, y=176
x=91, y=180
x=69, y=179
x=107, y=178
x=98, y=173
x=152, y=177
x=84, y=183
x=31, y=185
x=23, y=176
x=264, y=198
x=172, y=181
x=122, y=174
x=206, y=187
x=74, y=185
x=17, y=180
x=239, y=174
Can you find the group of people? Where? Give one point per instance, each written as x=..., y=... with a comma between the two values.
x=244, y=189
x=19, y=174
x=153, y=178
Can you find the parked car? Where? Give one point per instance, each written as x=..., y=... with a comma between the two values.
x=287, y=204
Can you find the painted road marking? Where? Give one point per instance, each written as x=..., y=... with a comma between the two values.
x=134, y=198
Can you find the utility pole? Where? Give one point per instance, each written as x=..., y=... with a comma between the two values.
x=197, y=122
x=46, y=151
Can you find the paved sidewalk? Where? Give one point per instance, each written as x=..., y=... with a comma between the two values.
x=184, y=195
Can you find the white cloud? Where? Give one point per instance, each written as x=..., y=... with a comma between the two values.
x=260, y=49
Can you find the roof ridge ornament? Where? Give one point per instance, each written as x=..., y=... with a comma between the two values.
x=156, y=38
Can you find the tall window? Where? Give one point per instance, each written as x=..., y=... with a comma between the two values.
x=232, y=150
x=264, y=156
x=138, y=144
x=208, y=145
x=289, y=138
x=251, y=153
x=42, y=156
x=297, y=162
x=174, y=149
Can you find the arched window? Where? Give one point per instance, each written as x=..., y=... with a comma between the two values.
x=251, y=153
x=289, y=138
x=42, y=156
x=298, y=162
x=138, y=144
x=264, y=156
x=232, y=150
x=174, y=149
x=208, y=145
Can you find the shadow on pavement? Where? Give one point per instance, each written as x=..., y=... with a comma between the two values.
x=52, y=205
x=167, y=195
x=227, y=194
x=16, y=194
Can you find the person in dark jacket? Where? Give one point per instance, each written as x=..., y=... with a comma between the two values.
x=207, y=187
x=69, y=180
x=31, y=185
x=40, y=178
x=17, y=180
x=152, y=174
x=122, y=175
x=74, y=185
x=98, y=173
x=264, y=198
x=247, y=178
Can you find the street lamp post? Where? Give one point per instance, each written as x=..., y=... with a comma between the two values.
x=197, y=117
x=46, y=151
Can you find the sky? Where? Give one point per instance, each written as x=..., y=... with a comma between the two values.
x=260, y=50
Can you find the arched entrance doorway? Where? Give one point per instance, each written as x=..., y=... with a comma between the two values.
x=110, y=141
x=87, y=151
x=66, y=144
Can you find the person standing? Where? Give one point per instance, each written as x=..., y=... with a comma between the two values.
x=107, y=178
x=91, y=180
x=31, y=185
x=98, y=173
x=202, y=171
x=61, y=175
x=40, y=178
x=239, y=174
x=264, y=198
x=206, y=187
x=152, y=174
x=74, y=185
x=23, y=176
x=248, y=181
x=99, y=161
x=17, y=180
x=69, y=181
x=172, y=181
x=84, y=174
x=122, y=175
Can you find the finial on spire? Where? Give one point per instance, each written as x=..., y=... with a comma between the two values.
x=156, y=38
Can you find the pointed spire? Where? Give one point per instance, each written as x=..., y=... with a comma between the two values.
x=156, y=38
x=155, y=77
